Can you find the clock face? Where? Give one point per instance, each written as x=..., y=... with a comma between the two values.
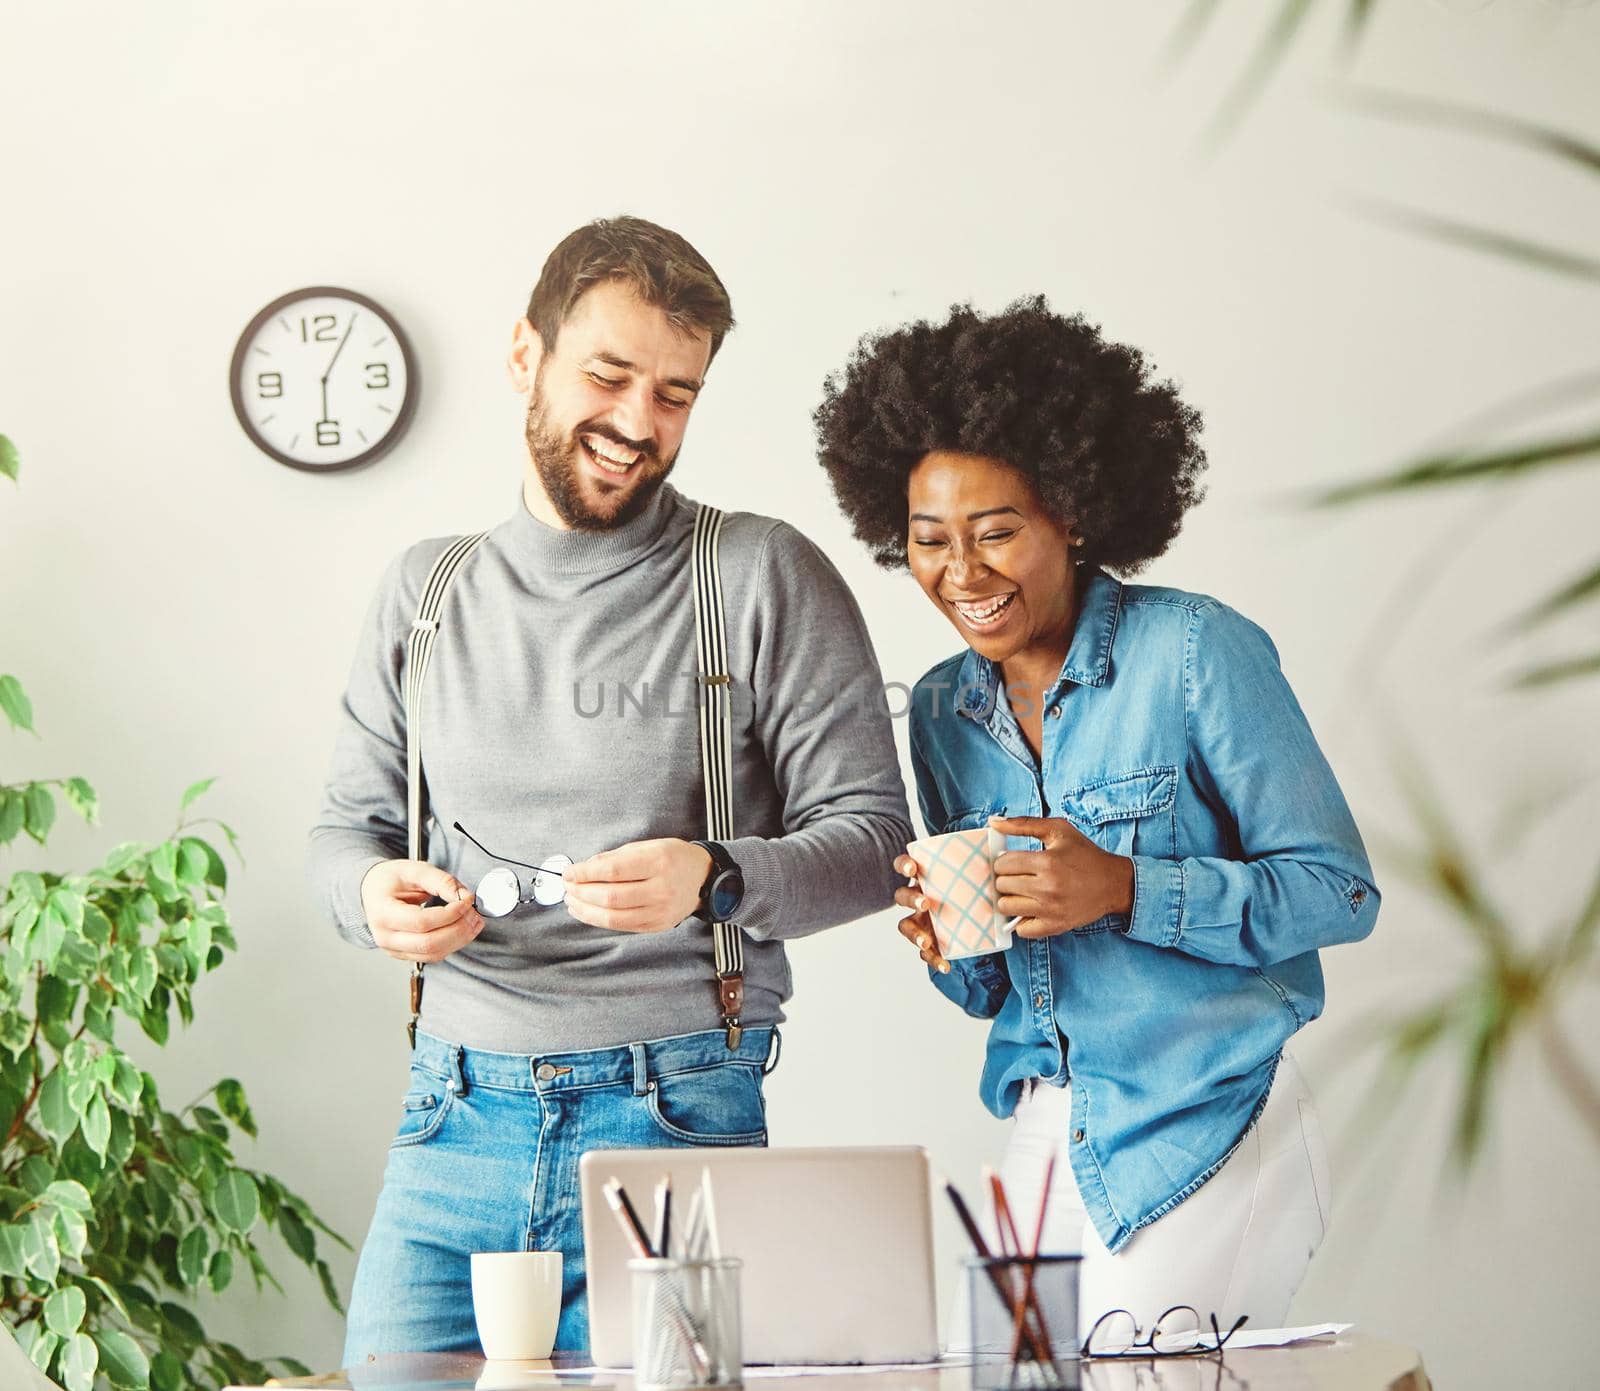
x=323, y=379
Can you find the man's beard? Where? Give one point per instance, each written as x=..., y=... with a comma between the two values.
x=556, y=456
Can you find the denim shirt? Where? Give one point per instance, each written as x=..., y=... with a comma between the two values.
x=1171, y=737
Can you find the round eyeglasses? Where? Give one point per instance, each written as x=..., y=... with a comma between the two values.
x=502, y=890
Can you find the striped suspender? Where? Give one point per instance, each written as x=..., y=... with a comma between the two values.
x=419, y=649
x=716, y=747
x=716, y=735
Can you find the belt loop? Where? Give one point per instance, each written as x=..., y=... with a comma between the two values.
x=774, y=1051
x=641, y=1073
x=457, y=1070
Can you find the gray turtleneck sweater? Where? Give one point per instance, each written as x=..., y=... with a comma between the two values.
x=559, y=717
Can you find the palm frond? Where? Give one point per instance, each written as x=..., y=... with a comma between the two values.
x=1450, y=868
x=1464, y=467
x=1356, y=20
x=1553, y=673
x=1529, y=253
x=1258, y=71
x=1486, y=1053
x=1578, y=591
x=1191, y=29
x=1545, y=139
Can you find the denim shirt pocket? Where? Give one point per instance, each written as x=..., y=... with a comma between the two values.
x=1132, y=813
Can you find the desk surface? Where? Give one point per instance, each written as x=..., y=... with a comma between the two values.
x=1354, y=1362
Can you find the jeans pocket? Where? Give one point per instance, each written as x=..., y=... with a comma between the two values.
x=428, y=1100
x=718, y=1105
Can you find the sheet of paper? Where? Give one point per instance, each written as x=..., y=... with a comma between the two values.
x=1248, y=1337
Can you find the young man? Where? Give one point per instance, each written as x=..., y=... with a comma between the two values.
x=560, y=717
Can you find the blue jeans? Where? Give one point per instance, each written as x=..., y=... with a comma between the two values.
x=486, y=1159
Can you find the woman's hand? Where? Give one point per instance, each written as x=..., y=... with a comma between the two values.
x=918, y=927
x=1070, y=883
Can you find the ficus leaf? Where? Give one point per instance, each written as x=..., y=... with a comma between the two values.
x=97, y=1124
x=14, y=702
x=121, y=857
x=96, y=925
x=192, y=1253
x=166, y=1372
x=127, y=1082
x=193, y=862
x=330, y=1291
x=80, y=1359
x=237, y=1202
x=194, y=790
x=57, y=1117
x=25, y=883
x=64, y=1311
x=221, y=1271
x=40, y=1248
x=44, y=1348
x=13, y=1256
x=82, y=799
x=64, y=1193
x=182, y=1324
x=38, y=811
x=10, y=462
x=123, y=1360
x=72, y=1232
x=296, y=1235
x=11, y=815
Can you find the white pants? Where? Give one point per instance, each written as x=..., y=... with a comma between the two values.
x=1239, y=1244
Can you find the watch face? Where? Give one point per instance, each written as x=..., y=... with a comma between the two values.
x=727, y=893
x=323, y=379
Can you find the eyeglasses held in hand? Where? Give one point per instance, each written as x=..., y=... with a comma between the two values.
x=1116, y=1333
x=502, y=891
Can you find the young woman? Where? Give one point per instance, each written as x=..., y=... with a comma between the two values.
x=1179, y=848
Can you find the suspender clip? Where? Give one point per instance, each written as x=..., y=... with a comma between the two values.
x=730, y=995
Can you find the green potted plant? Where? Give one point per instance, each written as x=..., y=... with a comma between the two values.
x=116, y=1211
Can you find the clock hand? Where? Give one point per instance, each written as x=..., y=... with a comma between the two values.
x=334, y=359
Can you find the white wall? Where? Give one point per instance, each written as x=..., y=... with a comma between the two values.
x=180, y=606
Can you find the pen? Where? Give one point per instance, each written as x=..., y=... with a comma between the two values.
x=619, y=1202
x=628, y=1219
x=664, y=1215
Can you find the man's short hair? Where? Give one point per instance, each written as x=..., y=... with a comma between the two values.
x=660, y=266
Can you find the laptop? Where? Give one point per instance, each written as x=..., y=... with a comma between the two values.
x=837, y=1246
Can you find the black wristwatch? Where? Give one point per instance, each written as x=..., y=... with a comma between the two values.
x=723, y=891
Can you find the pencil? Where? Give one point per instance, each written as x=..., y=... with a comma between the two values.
x=1029, y=1299
x=975, y=1236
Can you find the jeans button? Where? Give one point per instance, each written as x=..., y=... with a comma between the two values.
x=546, y=1072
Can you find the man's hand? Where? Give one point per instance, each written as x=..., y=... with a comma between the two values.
x=1070, y=883
x=393, y=892
x=644, y=886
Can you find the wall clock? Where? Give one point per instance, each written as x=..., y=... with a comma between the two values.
x=323, y=379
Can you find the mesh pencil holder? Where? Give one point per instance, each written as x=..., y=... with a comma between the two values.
x=1024, y=1312
x=686, y=1324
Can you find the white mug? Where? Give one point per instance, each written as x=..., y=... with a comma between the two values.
x=516, y=1296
